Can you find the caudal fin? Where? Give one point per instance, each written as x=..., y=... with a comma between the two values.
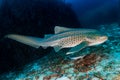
x=28, y=40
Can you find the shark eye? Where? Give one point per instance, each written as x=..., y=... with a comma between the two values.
x=92, y=38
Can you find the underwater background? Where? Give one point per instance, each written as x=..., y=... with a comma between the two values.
x=39, y=17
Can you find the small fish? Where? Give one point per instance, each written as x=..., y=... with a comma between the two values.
x=78, y=57
x=73, y=38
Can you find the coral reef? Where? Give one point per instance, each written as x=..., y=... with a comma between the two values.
x=101, y=62
x=117, y=77
x=84, y=64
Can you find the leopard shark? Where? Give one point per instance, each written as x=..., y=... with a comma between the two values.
x=74, y=38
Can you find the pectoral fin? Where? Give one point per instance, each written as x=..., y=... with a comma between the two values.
x=57, y=48
x=78, y=47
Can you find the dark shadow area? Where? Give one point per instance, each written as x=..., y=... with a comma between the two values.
x=33, y=18
x=119, y=12
x=92, y=13
x=107, y=13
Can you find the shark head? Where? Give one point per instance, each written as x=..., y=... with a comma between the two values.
x=96, y=39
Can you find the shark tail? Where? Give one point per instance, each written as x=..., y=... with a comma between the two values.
x=28, y=40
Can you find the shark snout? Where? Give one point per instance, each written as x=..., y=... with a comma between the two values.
x=104, y=38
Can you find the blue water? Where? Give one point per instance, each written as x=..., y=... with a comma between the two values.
x=39, y=17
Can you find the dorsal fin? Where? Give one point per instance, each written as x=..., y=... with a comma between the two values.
x=59, y=29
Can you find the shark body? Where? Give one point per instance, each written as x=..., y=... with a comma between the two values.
x=73, y=38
